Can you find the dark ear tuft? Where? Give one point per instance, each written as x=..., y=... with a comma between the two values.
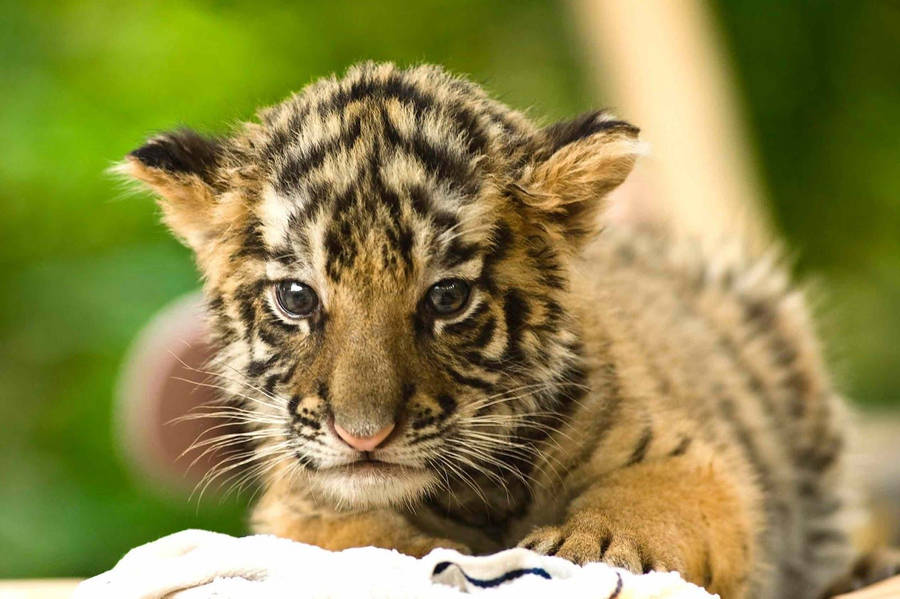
x=181, y=168
x=557, y=135
x=181, y=152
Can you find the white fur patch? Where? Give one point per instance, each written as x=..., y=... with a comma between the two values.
x=275, y=214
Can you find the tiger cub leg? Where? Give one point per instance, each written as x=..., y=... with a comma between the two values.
x=302, y=521
x=672, y=514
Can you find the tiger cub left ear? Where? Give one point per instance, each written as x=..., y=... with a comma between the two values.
x=575, y=165
x=181, y=168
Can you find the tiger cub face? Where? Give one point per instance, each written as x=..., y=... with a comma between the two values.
x=386, y=262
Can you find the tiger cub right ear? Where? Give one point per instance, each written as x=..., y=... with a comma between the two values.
x=181, y=168
x=574, y=166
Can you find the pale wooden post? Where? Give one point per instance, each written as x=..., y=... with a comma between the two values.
x=661, y=67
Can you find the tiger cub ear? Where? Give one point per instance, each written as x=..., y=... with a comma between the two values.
x=574, y=166
x=181, y=168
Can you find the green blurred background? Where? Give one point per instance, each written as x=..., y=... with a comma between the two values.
x=84, y=265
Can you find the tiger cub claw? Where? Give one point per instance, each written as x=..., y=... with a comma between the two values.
x=582, y=546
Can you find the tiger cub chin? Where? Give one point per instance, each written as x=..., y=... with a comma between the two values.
x=433, y=341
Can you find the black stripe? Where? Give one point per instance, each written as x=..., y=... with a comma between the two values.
x=553, y=315
x=319, y=198
x=646, y=561
x=341, y=248
x=474, y=358
x=750, y=450
x=272, y=320
x=401, y=240
x=215, y=302
x=421, y=202
x=278, y=141
x=546, y=262
x=556, y=547
x=247, y=313
x=485, y=335
x=753, y=381
x=707, y=568
x=682, y=447
x=447, y=404
x=515, y=312
x=469, y=381
x=761, y=316
x=307, y=422
x=322, y=391
x=458, y=252
x=469, y=323
x=820, y=455
x=289, y=373
x=819, y=536
x=571, y=385
x=441, y=161
x=223, y=334
x=253, y=244
x=271, y=382
x=467, y=122
x=301, y=162
x=501, y=241
x=269, y=336
x=428, y=437
x=257, y=367
x=605, y=542
x=640, y=450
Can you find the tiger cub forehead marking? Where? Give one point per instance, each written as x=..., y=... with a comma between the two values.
x=383, y=167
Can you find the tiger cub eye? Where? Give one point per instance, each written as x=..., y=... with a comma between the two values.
x=296, y=299
x=448, y=297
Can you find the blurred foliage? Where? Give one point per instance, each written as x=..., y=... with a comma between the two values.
x=84, y=265
x=821, y=94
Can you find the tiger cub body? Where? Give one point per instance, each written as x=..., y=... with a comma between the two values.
x=432, y=343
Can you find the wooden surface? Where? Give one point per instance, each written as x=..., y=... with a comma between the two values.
x=883, y=590
x=58, y=588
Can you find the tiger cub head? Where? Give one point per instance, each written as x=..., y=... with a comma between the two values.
x=386, y=263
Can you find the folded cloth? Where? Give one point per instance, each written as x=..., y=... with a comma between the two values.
x=196, y=564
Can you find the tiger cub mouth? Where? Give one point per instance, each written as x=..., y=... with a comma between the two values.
x=368, y=466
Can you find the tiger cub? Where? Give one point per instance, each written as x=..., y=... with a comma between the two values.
x=433, y=341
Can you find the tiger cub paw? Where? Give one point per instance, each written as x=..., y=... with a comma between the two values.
x=582, y=545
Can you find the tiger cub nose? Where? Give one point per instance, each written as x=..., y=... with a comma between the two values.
x=363, y=443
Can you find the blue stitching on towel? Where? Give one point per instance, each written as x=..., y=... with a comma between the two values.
x=492, y=582
x=618, y=588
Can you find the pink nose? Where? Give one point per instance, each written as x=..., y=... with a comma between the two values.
x=363, y=443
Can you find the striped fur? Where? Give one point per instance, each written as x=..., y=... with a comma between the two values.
x=609, y=397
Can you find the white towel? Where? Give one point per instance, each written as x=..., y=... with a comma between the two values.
x=196, y=564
